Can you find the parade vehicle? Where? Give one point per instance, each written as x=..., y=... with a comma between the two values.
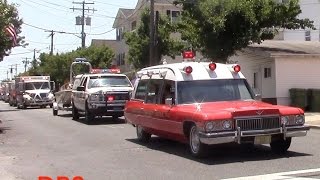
x=34, y=91
x=6, y=86
x=103, y=92
x=13, y=94
x=63, y=98
x=207, y=103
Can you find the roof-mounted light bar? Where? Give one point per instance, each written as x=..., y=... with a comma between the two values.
x=102, y=71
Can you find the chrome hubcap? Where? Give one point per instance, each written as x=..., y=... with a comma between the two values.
x=194, y=140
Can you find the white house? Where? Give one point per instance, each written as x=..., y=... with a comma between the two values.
x=274, y=67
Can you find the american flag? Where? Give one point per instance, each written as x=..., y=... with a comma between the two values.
x=10, y=30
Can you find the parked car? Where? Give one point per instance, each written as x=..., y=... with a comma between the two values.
x=205, y=103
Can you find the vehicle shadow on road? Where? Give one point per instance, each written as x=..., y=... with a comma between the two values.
x=102, y=121
x=218, y=154
x=8, y=110
x=3, y=129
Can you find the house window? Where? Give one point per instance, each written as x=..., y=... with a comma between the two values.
x=133, y=25
x=120, y=33
x=267, y=72
x=173, y=15
x=255, y=80
x=307, y=36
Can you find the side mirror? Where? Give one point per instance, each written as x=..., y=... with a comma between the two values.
x=168, y=101
x=80, y=88
x=258, y=97
x=53, y=86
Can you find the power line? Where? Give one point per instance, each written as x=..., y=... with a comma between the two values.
x=115, y=5
x=37, y=27
x=20, y=53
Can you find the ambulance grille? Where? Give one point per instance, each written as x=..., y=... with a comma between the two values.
x=258, y=123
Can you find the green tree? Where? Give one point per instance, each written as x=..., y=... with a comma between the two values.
x=218, y=28
x=58, y=66
x=138, y=41
x=9, y=16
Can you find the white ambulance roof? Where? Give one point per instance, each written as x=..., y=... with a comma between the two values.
x=200, y=71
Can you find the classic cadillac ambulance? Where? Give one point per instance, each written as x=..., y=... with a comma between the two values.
x=206, y=103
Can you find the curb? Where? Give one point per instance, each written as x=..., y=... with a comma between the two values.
x=313, y=126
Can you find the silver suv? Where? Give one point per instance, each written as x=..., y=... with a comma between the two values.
x=103, y=94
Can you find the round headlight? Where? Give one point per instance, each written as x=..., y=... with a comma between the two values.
x=227, y=125
x=299, y=119
x=94, y=97
x=209, y=126
x=284, y=120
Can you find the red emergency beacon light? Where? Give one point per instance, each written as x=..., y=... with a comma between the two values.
x=212, y=66
x=236, y=68
x=101, y=71
x=188, y=70
x=110, y=98
x=188, y=55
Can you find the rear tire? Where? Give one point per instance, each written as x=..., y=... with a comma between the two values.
x=142, y=135
x=280, y=146
x=197, y=148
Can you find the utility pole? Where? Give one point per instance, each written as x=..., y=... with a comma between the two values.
x=151, y=27
x=83, y=9
x=11, y=69
x=26, y=62
x=51, y=34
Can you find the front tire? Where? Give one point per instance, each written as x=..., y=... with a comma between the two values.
x=75, y=113
x=197, y=148
x=280, y=146
x=89, y=117
x=142, y=135
x=55, y=112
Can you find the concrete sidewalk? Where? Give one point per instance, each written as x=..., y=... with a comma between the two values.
x=312, y=119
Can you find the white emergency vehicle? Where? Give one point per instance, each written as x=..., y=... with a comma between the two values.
x=34, y=91
x=103, y=92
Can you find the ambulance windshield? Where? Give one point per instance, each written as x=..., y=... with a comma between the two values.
x=108, y=81
x=213, y=90
x=37, y=85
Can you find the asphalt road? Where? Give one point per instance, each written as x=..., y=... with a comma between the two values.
x=35, y=143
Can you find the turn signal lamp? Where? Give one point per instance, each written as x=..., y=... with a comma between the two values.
x=188, y=69
x=212, y=66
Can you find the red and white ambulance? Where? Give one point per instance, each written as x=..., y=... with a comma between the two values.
x=206, y=103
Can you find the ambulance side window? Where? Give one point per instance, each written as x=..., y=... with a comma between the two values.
x=153, y=94
x=141, y=90
x=168, y=92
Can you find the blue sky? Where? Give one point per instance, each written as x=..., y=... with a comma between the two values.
x=57, y=15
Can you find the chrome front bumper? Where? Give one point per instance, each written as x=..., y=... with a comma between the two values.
x=235, y=136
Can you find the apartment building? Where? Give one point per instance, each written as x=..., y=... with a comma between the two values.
x=127, y=20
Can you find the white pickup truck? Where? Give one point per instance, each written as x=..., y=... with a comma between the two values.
x=103, y=92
